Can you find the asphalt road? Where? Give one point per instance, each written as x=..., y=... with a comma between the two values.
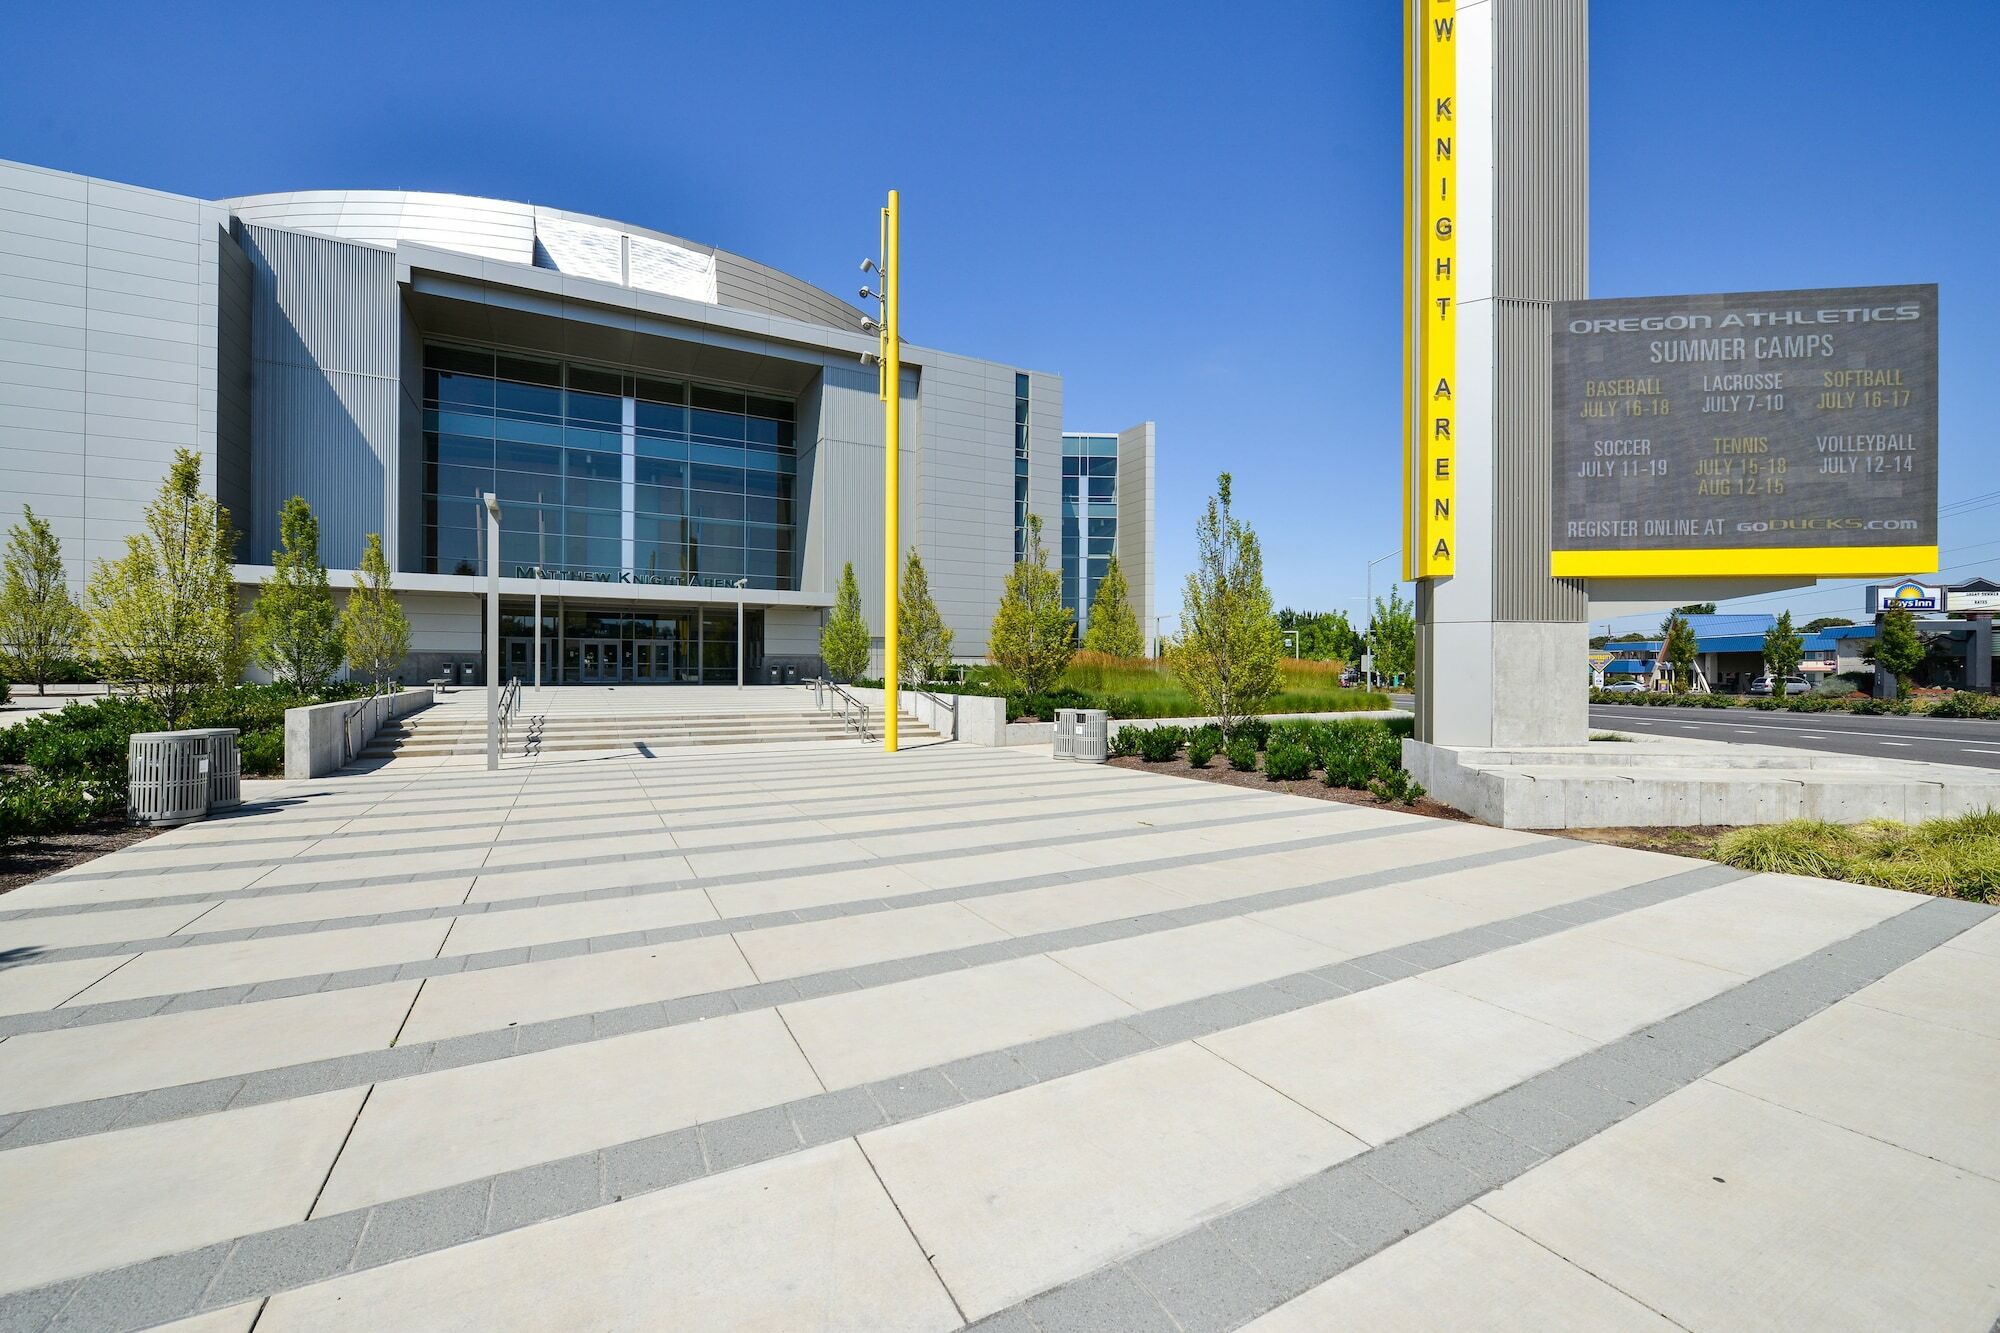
x=1930, y=740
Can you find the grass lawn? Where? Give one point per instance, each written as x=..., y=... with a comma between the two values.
x=1952, y=858
x=1150, y=691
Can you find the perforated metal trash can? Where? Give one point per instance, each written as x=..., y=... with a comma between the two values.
x=1065, y=733
x=167, y=772
x=225, y=767
x=1091, y=742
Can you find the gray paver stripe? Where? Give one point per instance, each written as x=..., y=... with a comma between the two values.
x=284, y=1258
x=604, y=858
x=112, y=1011
x=1038, y=792
x=151, y=1106
x=1234, y=1268
x=503, y=905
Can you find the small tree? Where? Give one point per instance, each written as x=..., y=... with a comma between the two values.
x=164, y=613
x=843, y=640
x=376, y=631
x=1899, y=649
x=40, y=622
x=1681, y=648
x=294, y=633
x=1230, y=645
x=1826, y=622
x=1034, y=634
x=1784, y=649
x=1114, y=628
x=923, y=640
x=1392, y=637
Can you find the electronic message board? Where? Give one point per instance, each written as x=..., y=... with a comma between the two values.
x=1748, y=433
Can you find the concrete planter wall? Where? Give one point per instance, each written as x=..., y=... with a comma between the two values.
x=978, y=720
x=323, y=738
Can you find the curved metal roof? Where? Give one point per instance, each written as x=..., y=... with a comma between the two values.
x=532, y=235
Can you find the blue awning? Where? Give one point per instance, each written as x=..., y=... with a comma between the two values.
x=1630, y=666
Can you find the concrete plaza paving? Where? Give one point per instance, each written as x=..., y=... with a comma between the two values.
x=809, y=1037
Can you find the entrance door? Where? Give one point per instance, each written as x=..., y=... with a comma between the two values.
x=655, y=662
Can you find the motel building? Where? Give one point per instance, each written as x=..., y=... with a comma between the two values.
x=673, y=431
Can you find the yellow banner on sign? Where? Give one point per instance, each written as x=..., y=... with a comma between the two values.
x=1430, y=302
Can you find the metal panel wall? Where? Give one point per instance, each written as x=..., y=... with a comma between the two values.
x=108, y=357
x=1135, y=522
x=1541, y=254
x=325, y=387
x=232, y=384
x=968, y=492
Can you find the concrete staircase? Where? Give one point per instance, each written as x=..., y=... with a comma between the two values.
x=440, y=733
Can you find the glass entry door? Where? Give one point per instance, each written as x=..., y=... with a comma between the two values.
x=654, y=664
x=600, y=661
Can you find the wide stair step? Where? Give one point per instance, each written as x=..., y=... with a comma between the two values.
x=433, y=736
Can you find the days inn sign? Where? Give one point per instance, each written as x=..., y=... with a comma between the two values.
x=1909, y=595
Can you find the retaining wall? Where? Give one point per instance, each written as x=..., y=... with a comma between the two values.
x=324, y=738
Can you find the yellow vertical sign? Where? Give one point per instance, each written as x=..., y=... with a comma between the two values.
x=1430, y=301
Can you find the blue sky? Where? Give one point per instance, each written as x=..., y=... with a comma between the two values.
x=1190, y=214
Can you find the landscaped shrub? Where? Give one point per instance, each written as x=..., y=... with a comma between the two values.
x=1286, y=759
x=1810, y=703
x=1398, y=788
x=1357, y=754
x=6, y=690
x=1965, y=703
x=1950, y=857
x=1125, y=742
x=1256, y=729
x=34, y=806
x=1157, y=745
x=1202, y=743
x=1242, y=752
x=263, y=752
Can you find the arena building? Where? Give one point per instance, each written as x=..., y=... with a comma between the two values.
x=669, y=427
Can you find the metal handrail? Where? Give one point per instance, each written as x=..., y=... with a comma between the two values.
x=830, y=696
x=948, y=702
x=347, y=719
x=510, y=704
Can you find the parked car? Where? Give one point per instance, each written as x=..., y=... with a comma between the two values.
x=1352, y=679
x=1763, y=685
x=1625, y=687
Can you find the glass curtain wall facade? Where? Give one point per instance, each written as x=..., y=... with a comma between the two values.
x=1020, y=466
x=604, y=475
x=1089, y=519
x=589, y=644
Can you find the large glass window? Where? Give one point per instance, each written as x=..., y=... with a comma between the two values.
x=1089, y=518
x=1021, y=402
x=551, y=439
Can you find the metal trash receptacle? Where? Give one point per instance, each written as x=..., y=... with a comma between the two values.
x=167, y=777
x=1065, y=733
x=1091, y=741
x=225, y=767
x=791, y=674
x=774, y=673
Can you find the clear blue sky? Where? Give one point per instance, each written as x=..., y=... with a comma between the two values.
x=1190, y=213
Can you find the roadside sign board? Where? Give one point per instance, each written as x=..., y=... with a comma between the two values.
x=1972, y=599
x=1908, y=595
x=1746, y=434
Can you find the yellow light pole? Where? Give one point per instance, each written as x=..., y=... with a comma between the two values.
x=892, y=414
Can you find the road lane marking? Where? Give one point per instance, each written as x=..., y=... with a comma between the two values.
x=1838, y=731
x=1904, y=744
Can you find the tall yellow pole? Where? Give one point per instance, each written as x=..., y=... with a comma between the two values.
x=892, y=443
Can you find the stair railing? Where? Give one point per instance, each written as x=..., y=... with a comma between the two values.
x=833, y=698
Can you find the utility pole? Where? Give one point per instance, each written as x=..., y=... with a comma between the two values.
x=492, y=630
x=892, y=444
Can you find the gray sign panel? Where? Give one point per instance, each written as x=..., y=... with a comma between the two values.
x=1746, y=421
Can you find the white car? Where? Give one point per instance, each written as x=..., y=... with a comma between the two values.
x=1625, y=687
x=1763, y=685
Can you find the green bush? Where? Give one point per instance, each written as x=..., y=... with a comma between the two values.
x=1396, y=789
x=1286, y=758
x=1966, y=703
x=1258, y=731
x=1157, y=745
x=6, y=690
x=1242, y=752
x=1357, y=754
x=34, y=806
x=263, y=752
x=1125, y=742
x=1953, y=858
x=1811, y=703
x=1202, y=744
x=84, y=744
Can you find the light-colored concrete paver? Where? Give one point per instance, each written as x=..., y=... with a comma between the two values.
x=231, y=1319
x=576, y=921
x=1381, y=1063
x=1721, y=1210
x=790, y=891
x=87, y=885
x=1934, y=1090
x=62, y=932
x=496, y=998
x=1152, y=971
x=104, y=1059
x=1466, y=1272
x=283, y=909
x=498, y=885
x=1021, y=1192
x=460, y=1124
x=84, y=1204
x=246, y=962
x=871, y=1034
x=1950, y=986
x=805, y=1242
x=1597, y=987
x=24, y=989
x=779, y=952
x=1059, y=906
x=1755, y=924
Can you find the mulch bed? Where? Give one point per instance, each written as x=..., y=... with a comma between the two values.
x=1218, y=770
x=24, y=865
x=1696, y=840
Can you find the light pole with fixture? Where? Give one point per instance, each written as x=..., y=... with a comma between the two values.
x=891, y=392
x=1368, y=638
x=492, y=502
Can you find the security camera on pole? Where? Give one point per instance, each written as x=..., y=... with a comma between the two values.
x=891, y=393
